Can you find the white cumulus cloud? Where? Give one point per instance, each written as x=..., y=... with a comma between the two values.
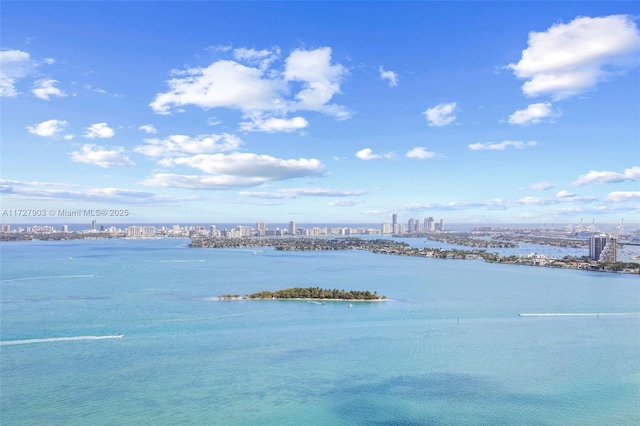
x=181, y=145
x=258, y=88
x=45, y=89
x=99, y=130
x=441, y=114
x=367, y=154
x=533, y=114
x=500, y=146
x=48, y=128
x=236, y=170
x=148, y=128
x=14, y=65
x=100, y=156
x=390, y=76
x=420, y=153
x=272, y=125
x=227, y=84
x=569, y=59
x=320, y=80
x=631, y=174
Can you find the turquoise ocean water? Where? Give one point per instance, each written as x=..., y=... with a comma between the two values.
x=450, y=347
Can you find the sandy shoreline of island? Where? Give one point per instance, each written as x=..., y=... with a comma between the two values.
x=298, y=299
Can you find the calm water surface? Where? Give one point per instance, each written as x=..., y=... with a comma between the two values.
x=449, y=348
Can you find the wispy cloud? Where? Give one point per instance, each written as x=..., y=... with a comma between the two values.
x=420, y=153
x=68, y=192
x=343, y=203
x=390, y=76
x=100, y=156
x=263, y=58
x=500, y=146
x=631, y=174
x=565, y=194
x=623, y=196
x=495, y=204
x=101, y=91
x=441, y=114
x=540, y=186
x=303, y=192
x=563, y=197
x=219, y=182
x=569, y=59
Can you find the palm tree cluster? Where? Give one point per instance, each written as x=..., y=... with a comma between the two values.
x=317, y=293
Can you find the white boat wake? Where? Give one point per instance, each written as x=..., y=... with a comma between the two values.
x=46, y=278
x=578, y=314
x=58, y=339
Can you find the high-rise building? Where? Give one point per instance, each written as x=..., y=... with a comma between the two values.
x=93, y=224
x=394, y=223
x=262, y=229
x=411, y=225
x=6, y=229
x=430, y=224
x=603, y=248
x=292, y=227
x=386, y=228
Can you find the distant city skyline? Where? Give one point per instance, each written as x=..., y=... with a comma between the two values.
x=386, y=227
x=349, y=112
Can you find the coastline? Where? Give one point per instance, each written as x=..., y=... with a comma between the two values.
x=396, y=248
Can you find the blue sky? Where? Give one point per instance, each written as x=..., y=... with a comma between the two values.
x=474, y=112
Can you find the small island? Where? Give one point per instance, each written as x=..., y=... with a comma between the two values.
x=310, y=293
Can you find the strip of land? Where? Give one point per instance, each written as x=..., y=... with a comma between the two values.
x=391, y=247
x=310, y=293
